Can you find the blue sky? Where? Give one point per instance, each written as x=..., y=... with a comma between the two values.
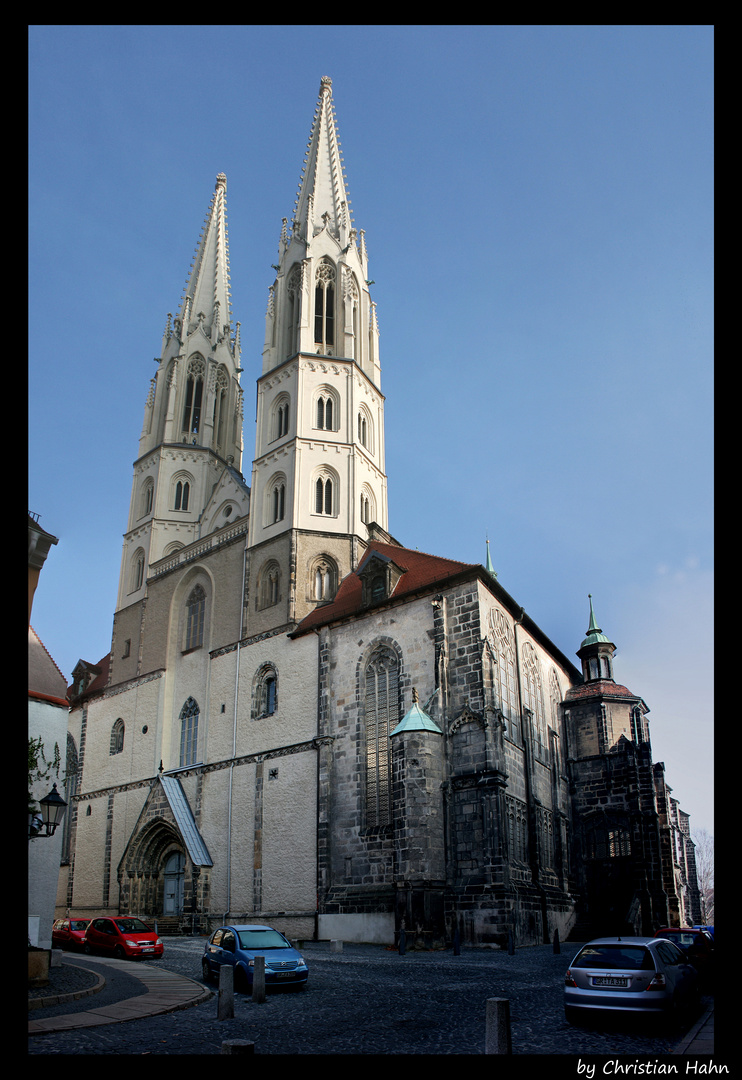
x=538, y=209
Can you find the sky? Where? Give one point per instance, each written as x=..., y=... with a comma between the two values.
x=538, y=210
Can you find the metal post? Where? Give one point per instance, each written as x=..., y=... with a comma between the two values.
x=497, y=1037
x=557, y=948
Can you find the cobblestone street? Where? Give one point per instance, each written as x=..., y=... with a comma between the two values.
x=366, y=1000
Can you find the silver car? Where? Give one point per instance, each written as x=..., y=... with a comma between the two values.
x=630, y=974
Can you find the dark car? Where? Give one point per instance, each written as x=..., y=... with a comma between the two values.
x=123, y=936
x=69, y=933
x=697, y=944
x=630, y=975
x=239, y=945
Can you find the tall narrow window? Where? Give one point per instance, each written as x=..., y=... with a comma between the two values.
x=382, y=709
x=193, y=398
x=189, y=733
x=325, y=413
x=117, y=737
x=220, y=408
x=279, y=502
x=182, y=495
x=323, y=496
x=265, y=692
x=506, y=685
x=324, y=308
x=195, y=611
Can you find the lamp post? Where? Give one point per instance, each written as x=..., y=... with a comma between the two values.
x=52, y=807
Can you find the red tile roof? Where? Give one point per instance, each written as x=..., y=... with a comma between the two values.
x=599, y=687
x=419, y=571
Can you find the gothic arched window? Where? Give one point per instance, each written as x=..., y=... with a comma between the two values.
x=117, y=737
x=323, y=578
x=533, y=694
x=182, y=495
x=324, y=307
x=324, y=494
x=195, y=612
x=220, y=407
x=189, y=733
x=381, y=715
x=265, y=692
x=194, y=392
x=506, y=684
x=269, y=585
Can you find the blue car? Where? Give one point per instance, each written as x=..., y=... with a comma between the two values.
x=239, y=945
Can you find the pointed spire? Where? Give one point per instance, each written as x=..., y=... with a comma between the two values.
x=322, y=200
x=207, y=296
x=594, y=633
x=489, y=567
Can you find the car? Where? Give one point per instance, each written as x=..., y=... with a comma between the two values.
x=709, y=930
x=697, y=944
x=239, y=945
x=69, y=933
x=124, y=936
x=640, y=975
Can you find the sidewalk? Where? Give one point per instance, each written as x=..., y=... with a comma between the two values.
x=163, y=992
x=700, y=1038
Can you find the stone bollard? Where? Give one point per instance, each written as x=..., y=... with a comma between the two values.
x=497, y=1037
x=336, y=946
x=237, y=1046
x=258, y=980
x=225, y=999
x=557, y=948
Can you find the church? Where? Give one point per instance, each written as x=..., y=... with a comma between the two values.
x=300, y=720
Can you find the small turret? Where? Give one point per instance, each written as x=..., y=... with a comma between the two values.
x=596, y=651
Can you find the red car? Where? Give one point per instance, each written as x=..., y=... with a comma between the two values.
x=697, y=945
x=69, y=933
x=122, y=936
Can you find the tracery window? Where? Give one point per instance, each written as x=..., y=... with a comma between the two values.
x=269, y=585
x=220, y=407
x=194, y=391
x=137, y=570
x=323, y=578
x=281, y=418
x=189, y=733
x=382, y=714
x=533, y=696
x=195, y=613
x=324, y=413
x=506, y=683
x=324, y=307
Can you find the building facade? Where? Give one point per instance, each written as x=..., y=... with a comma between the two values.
x=302, y=721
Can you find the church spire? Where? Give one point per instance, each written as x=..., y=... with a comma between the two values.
x=207, y=296
x=596, y=651
x=322, y=200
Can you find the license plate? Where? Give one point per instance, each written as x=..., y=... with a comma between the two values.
x=149, y=948
x=605, y=980
x=284, y=974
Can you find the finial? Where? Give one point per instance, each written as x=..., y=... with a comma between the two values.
x=325, y=84
x=221, y=180
x=489, y=567
x=415, y=698
x=593, y=628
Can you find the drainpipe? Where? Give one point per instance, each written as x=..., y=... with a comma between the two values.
x=234, y=735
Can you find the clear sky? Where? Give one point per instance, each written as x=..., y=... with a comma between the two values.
x=538, y=208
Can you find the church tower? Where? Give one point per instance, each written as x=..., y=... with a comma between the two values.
x=319, y=488
x=187, y=480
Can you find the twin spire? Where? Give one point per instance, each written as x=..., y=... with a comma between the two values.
x=322, y=200
x=207, y=296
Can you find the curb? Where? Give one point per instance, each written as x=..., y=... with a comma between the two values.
x=59, y=999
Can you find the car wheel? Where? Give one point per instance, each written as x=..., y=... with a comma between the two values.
x=208, y=976
x=119, y=953
x=87, y=950
x=571, y=1015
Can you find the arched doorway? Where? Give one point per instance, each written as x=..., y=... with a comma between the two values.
x=174, y=878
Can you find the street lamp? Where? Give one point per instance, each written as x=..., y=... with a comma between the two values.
x=53, y=807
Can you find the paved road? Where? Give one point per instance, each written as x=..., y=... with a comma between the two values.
x=367, y=1000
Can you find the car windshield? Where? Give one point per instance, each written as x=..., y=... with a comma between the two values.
x=682, y=938
x=262, y=939
x=626, y=957
x=78, y=924
x=132, y=926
